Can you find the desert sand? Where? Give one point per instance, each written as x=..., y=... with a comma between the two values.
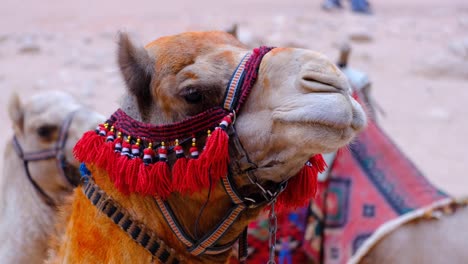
x=415, y=53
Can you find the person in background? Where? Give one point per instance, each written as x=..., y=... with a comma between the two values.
x=359, y=6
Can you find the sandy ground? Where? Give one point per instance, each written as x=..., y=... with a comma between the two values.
x=415, y=52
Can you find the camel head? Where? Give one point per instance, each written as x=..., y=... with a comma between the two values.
x=299, y=106
x=37, y=123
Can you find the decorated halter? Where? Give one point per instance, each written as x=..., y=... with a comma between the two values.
x=135, y=155
x=56, y=152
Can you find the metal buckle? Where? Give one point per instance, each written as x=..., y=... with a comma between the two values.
x=269, y=196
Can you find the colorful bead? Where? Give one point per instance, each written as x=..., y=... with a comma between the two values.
x=148, y=154
x=110, y=135
x=194, y=150
x=162, y=152
x=118, y=142
x=179, y=150
x=126, y=147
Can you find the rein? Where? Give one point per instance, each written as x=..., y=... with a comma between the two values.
x=56, y=152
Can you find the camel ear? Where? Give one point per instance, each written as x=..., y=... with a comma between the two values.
x=137, y=67
x=233, y=31
x=16, y=113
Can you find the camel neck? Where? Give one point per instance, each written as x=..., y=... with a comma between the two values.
x=22, y=214
x=196, y=214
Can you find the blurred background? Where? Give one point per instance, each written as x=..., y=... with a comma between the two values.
x=414, y=52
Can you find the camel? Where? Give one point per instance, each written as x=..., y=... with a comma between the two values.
x=281, y=107
x=28, y=205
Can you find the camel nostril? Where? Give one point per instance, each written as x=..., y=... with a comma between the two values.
x=315, y=86
x=319, y=78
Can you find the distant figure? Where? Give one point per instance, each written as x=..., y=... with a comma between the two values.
x=359, y=6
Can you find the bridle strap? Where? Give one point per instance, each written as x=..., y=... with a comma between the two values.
x=44, y=196
x=243, y=246
x=205, y=245
x=238, y=89
x=60, y=155
x=133, y=228
x=55, y=152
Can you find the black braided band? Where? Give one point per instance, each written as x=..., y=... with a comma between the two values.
x=138, y=232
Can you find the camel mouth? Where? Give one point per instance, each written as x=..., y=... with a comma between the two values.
x=334, y=111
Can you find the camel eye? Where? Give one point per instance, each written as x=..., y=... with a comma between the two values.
x=193, y=96
x=46, y=131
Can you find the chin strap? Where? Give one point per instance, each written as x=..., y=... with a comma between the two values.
x=261, y=197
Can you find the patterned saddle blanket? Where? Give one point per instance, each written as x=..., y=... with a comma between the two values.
x=370, y=184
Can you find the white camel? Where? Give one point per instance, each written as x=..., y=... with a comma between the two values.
x=46, y=128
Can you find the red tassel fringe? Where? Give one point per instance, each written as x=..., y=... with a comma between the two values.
x=145, y=183
x=179, y=180
x=88, y=147
x=193, y=181
x=215, y=157
x=302, y=187
x=188, y=176
x=162, y=185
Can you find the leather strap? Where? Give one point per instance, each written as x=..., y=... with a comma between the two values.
x=137, y=231
x=57, y=152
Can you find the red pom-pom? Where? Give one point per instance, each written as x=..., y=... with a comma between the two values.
x=126, y=144
x=148, y=151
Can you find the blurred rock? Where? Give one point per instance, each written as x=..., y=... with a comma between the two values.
x=28, y=45
x=87, y=40
x=360, y=35
x=459, y=48
x=3, y=38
